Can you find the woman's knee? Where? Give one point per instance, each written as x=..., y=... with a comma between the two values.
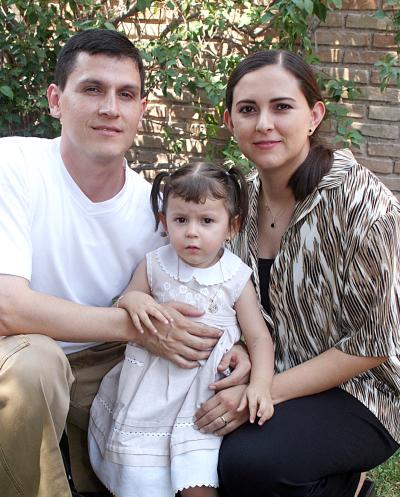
x=248, y=461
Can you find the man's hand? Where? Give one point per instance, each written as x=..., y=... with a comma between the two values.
x=219, y=415
x=183, y=341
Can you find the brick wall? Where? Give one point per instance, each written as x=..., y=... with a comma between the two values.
x=348, y=45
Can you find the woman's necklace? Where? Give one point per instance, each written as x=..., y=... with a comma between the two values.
x=212, y=305
x=275, y=217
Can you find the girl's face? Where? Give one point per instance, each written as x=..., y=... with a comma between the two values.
x=197, y=231
x=270, y=119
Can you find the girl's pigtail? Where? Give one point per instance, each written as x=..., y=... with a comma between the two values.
x=156, y=196
x=241, y=192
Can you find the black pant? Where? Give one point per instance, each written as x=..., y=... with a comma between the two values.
x=314, y=446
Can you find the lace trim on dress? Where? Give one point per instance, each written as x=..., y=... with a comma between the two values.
x=135, y=362
x=106, y=406
x=168, y=261
x=144, y=433
x=196, y=485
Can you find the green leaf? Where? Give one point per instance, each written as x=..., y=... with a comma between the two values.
x=309, y=6
x=7, y=91
x=109, y=25
x=380, y=14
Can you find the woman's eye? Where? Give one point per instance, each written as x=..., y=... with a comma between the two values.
x=283, y=106
x=246, y=109
x=208, y=220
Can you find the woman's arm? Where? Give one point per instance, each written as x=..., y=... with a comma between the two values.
x=323, y=372
x=328, y=370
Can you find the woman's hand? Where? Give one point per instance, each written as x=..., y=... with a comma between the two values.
x=219, y=415
x=183, y=341
x=237, y=362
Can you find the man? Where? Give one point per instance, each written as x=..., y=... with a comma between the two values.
x=74, y=223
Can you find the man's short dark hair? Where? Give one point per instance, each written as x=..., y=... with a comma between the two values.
x=93, y=42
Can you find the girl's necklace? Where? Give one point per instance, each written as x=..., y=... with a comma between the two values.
x=212, y=305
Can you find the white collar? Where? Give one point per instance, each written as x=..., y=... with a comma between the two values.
x=220, y=272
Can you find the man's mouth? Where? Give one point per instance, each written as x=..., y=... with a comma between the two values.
x=107, y=129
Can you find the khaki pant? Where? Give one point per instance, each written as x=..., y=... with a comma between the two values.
x=39, y=387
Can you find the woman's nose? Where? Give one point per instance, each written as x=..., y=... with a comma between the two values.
x=265, y=122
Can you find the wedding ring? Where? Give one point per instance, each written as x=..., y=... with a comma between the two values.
x=223, y=420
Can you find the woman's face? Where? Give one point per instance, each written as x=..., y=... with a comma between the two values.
x=270, y=119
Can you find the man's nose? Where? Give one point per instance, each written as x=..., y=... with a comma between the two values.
x=109, y=105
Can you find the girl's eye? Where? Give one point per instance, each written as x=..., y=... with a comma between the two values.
x=180, y=220
x=246, y=109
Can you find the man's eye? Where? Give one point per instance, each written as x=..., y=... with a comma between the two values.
x=127, y=95
x=91, y=89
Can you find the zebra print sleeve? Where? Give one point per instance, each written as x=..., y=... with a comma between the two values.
x=371, y=313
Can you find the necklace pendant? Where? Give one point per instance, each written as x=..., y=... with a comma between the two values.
x=272, y=225
x=213, y=307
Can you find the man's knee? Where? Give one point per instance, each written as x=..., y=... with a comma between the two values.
x=35, y=376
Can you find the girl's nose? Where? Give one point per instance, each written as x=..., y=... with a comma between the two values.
x=191, y=230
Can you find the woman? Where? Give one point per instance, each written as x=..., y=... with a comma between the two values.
x=323, y=240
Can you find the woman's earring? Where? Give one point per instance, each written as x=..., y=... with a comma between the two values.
x=310, y=131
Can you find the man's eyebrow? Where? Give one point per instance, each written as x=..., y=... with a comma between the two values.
x=98, y=82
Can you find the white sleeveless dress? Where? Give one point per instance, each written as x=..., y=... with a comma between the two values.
x=141, y=436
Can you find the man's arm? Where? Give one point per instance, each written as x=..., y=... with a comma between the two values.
x=24, y=311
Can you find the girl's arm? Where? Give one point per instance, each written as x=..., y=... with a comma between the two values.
x=259, y=344
x=137, y=301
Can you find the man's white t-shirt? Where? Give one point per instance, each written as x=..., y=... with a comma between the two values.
x=54, y=236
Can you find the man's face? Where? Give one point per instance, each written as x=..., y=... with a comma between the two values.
x=100, y=108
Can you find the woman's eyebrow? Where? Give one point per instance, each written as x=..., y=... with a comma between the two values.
x=276, y=99
x=282, y=98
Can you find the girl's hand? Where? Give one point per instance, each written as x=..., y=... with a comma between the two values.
x=259, y=402
x=237, y=362
x=219, y=414
x=140, y=307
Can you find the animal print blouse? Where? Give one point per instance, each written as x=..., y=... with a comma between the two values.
x=336, y=280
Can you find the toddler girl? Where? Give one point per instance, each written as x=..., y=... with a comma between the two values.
x=142, y=439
